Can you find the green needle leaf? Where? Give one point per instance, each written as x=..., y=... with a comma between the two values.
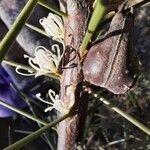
x=29, y=116
x=21, y=143
x=96, y=18
x=37, y=29
x=11, y=35
x=52, y=8
x=126, y=116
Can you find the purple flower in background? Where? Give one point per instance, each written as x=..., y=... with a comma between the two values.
x=8, y=95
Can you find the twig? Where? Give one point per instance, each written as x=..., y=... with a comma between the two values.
x=70, y=131
x=21, y=112
x=122, y=113
x=37, y=29
x=114, y=142
x=34, y=28
x=127, y=116
x=11, y=35
x=100, y=10
x=52, y=8
x=97, y=16
x=136, y=3
x=21, y=143
x=29, y=69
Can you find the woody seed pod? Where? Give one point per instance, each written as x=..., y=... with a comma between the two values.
x=113, y=63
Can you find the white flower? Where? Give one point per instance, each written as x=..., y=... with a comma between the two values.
x=53, y=26
x=55, y=104
x=44, y=62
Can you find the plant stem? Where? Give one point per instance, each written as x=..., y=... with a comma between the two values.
x=37, y=29
x=15, y=64
x=52, y=8
x=29, y=69
x=96, y=18
x=98, y=15
x=21, y=143
x=126, y=116
x=11, y=35
x=136, y=3
x=29, y=116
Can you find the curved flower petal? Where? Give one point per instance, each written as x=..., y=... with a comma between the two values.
x=55, y=104
x=44, y=62
x=53, y=26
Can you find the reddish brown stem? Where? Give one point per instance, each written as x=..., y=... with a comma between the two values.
x=70, y=130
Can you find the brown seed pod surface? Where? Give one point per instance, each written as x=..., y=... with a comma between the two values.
x=112, y=63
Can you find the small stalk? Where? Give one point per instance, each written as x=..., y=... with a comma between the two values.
x=15, y=64
x=30, y=69
x=23, y=113
x=136, y=3
x=126, y=116
x=21, y=143
x=11, y=35
x=98, y=14
x=34, y=28
x=52, y=8
x=96, y=18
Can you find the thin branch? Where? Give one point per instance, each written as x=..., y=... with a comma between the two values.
x=97, y=21
x=97, y=16
x=123, y=114
x=15, y=64
x=23, y=113
x=11, y=35
x=127, y=116
x=52, y=8
x=21, y=143
x=136, y=3
x=34, y=28
x=37, y=29
x=29, y=69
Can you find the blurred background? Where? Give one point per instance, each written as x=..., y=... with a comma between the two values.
x=104, y=128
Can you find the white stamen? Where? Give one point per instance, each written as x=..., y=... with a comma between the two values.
x=24, y=74
x=55, y=104
x=39, y=97
x=53, y=26
x=44, y=62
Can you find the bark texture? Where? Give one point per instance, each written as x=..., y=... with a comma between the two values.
x=70, y=131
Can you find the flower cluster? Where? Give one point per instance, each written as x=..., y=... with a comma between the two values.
x=55, y=104
x=53, y=26
x=45, y=61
